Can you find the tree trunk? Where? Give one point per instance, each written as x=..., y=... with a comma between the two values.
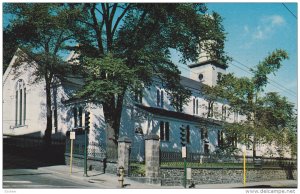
x=254, y=148
x=111, y=144
x=48, y=131
x=112, y=113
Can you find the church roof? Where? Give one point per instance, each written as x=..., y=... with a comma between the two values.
x=71, y=79
x=190, y=83
x=179, y=115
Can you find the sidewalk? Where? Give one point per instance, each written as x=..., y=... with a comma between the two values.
x=266, y=184
x=96, y=179
x=110, y=181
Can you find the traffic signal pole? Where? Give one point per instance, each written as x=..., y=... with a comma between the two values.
x=184, y=178
x=86, y=129
x=85, y=153
x=183, y=151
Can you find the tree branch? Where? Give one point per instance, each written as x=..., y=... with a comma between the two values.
x=58, y=43
x=98, y=10
x=119, y=19
x=97, y=29
x=115, y=5
x=108, y=25
x=85, y=22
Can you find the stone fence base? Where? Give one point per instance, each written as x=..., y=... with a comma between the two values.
x=174, y=176
x=146, y=180
x=92, y=164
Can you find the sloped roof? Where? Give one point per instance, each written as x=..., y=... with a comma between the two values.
x=179, y=115
x=70, y=79
x=77, y=80
x=190, y=83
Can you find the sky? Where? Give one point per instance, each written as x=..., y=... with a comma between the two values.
x=254, y=30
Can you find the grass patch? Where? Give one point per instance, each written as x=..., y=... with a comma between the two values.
x=137, y=169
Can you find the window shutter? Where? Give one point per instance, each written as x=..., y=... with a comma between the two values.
x=197, y=107
x=162, y=98
x=75, y=116
x=157, y=97
x=162, y=137
x=167, y=130
x=80, y=116
x=194, y=106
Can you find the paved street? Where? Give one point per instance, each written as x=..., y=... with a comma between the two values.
x=25, y=172
x=30, y=178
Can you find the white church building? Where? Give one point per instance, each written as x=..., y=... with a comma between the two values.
x=24, y=111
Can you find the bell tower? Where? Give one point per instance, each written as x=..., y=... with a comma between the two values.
x=207, y=69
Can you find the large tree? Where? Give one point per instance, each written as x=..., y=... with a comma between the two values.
x=268, y=116
x=42, y=31
x=277, y=115
x=124, y=46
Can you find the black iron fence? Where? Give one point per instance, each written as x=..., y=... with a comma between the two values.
x=174, y=159
x=33, y=142
x=95, y=151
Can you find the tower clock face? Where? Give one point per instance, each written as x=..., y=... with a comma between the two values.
x=200, y=76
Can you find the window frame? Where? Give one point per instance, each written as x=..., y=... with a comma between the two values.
x=164, y=127
x=78, y=117
x=161, y=98
x=158, y=97
x=20, y=103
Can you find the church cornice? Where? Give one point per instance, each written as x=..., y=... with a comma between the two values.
x=209, y=62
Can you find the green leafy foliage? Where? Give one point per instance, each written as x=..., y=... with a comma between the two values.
x=270, y=117
x=123, y=46
x=42, y=31
x=271, y=64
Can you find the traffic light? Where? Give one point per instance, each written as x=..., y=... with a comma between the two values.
x=87, y=121
x=182, y=136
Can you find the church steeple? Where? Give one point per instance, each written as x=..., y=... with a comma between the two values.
x=207, y=69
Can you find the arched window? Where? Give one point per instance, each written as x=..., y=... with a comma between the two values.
x=77, y=114
x=20, y=107
x=160, y=98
